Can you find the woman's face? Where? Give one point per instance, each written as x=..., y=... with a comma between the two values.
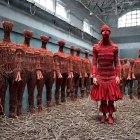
x=105, y=34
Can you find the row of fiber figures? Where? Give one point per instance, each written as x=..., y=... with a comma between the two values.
x=130, y=76
x=22, y=65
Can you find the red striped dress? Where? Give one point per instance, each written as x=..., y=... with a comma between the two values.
x=105, y=69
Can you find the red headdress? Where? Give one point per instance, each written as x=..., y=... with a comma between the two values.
x=7, y=25
x=72, y=48
x=44, y=38
x=105, y=28
x=61, y=42
x=78, y=50
x=28, y=33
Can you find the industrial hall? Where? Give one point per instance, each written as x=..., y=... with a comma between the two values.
x=69, y=69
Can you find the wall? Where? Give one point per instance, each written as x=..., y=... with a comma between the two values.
x=129, y=50
x=128, y=39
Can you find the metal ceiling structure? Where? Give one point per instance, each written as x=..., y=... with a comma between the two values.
x=109, y=7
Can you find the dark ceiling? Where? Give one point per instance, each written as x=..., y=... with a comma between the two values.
x=109, y=7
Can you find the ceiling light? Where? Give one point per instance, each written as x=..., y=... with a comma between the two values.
x=90, y=13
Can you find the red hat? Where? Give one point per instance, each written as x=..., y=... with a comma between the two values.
x=7, y=25
x=105, y=28
x=44, y=38
x=61, y=42
x=28, y=33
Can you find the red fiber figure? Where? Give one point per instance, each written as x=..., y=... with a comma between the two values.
x=48, y=71
x=62, y=72
x=106, y=74
x=10, y=66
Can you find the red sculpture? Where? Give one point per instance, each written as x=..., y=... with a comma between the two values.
x=62, y=71
x=136, y=72
x=106, y=75
x=9, y=65
x=15, y=96
x=121, y=76
x=82, y=78
x=70, y=89
x=77, y=71
x=88, y=72
x=48, y=71
x=124, y=74
x=31, y=72
x=131, y=76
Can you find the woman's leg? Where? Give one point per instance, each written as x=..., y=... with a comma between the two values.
x=111, y=109
x=104, y=110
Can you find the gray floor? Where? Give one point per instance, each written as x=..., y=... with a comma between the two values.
x=78, y=120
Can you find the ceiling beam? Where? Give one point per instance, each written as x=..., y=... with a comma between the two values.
x=89, y=3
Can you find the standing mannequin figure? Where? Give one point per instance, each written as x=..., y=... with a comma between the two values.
x=88, y=72
x=62, y=72
x=31, y=71
x=77, y=71
x=70, y=89
x=121, y=76
x=106, y=76
x=48, y=71
x=9, y=66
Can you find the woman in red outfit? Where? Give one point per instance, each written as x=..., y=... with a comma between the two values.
x=106, y=74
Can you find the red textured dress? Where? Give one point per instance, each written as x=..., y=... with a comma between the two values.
x=105, y=69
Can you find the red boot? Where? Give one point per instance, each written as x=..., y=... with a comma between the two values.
x=110, y=120
x=103, y=119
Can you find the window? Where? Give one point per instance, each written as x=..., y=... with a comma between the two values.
x=131, y=18
x=61, y=10
x=86, y=26
x=138, y=21
x=38, y=1
x=48, y=4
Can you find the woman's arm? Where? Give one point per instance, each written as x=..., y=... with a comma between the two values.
x=94, y=61
x=116, y=62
